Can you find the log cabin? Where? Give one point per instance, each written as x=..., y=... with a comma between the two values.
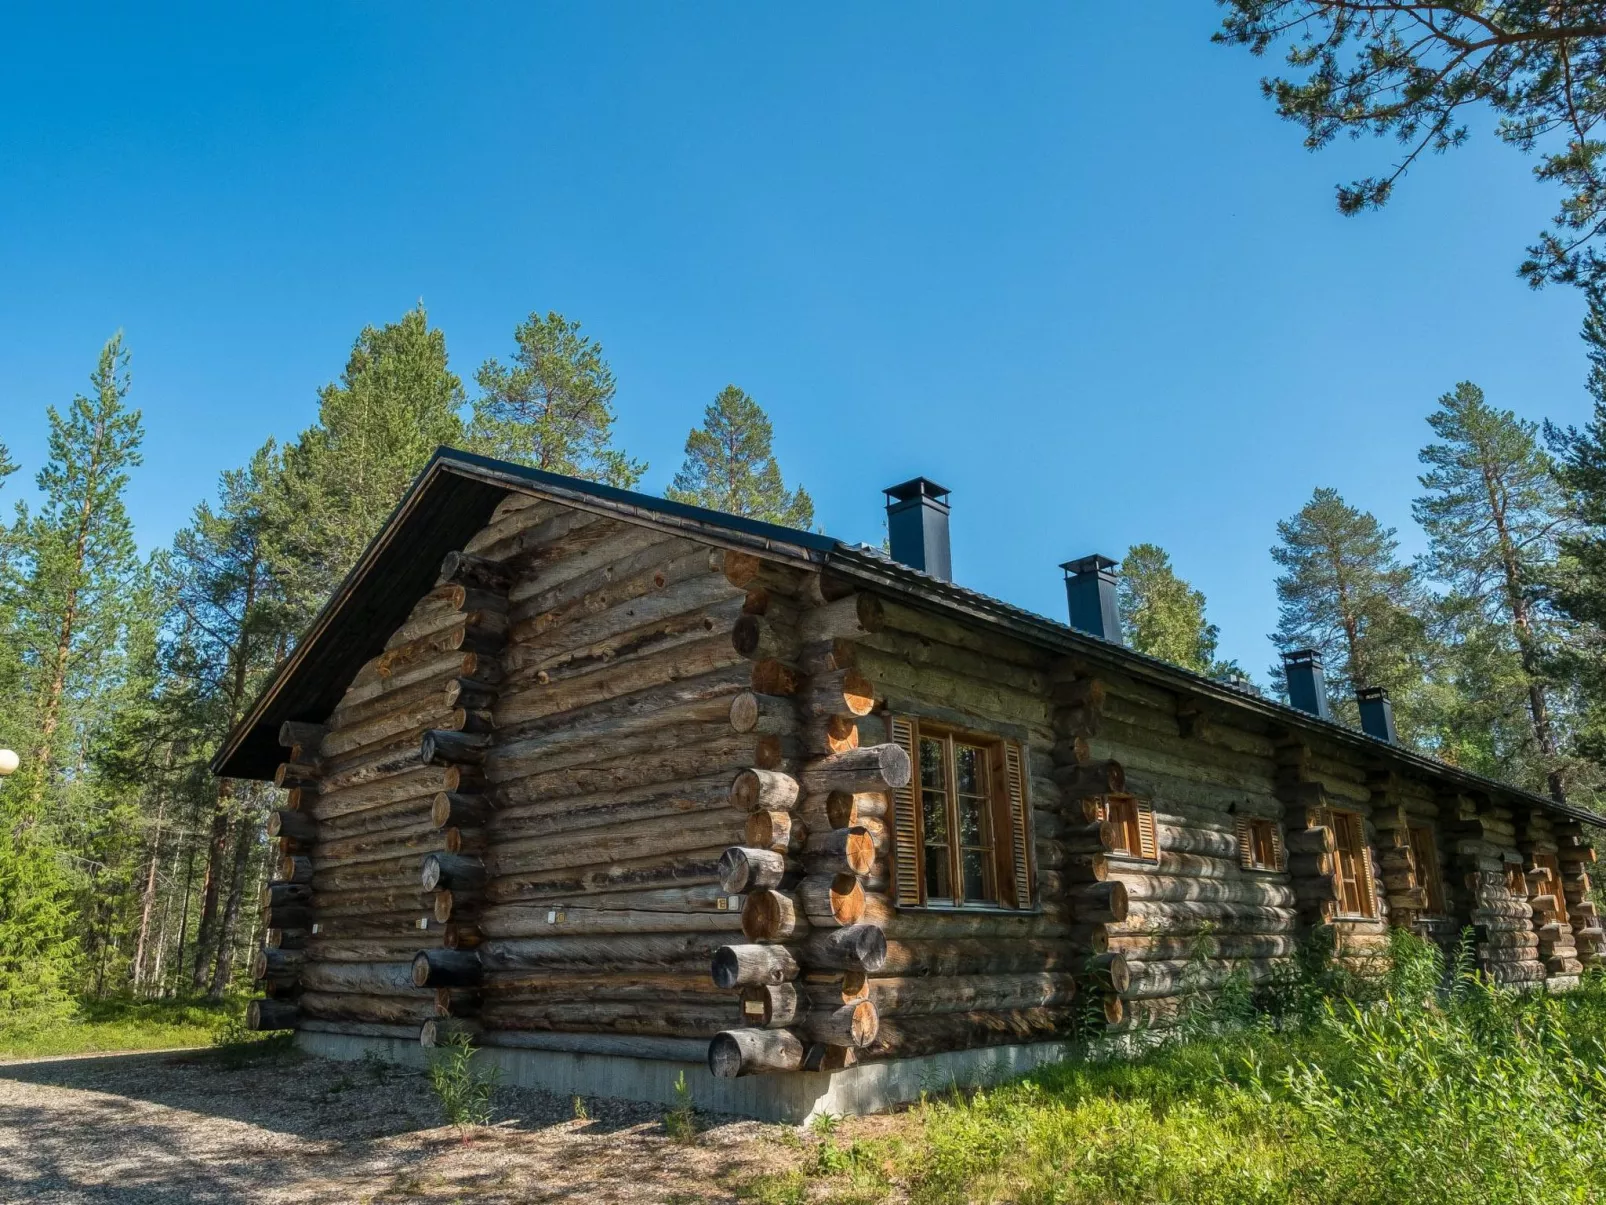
x=624, y=789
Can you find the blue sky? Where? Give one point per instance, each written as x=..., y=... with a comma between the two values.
x=1061, y=258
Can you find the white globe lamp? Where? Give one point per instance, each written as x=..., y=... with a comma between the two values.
x=9, y=761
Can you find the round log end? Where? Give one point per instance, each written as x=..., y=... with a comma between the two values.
x=866, y=1023
x=747, y=635
x=859, y=850
x=744, y=711
x=725, y=969
x=745, y=790
x=858, y=693
x=734, y=870
x=431, y=875
x=259, y=965
x=847, y=899
x=421, y=970
x=895, y=767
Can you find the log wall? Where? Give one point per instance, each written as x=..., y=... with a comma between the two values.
x=611, y=783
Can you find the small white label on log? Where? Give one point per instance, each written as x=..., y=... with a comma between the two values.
x=551, y=918
x=317, y=929
x=423, y=922
x=753, y=1008
x=734, y=904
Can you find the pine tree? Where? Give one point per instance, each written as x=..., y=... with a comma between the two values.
x=1578, y=581
x=1492, y=515
x=1163, y=616
x=230, y=611
x=730, y=465
x=78, y=561
x=552, y=408
x=396, y=402
x=1344, y=592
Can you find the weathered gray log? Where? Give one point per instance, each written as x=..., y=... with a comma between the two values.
x=295, y=868
x=446, y=968
x=463, y=569
x=851, y=948
x=280, y=895
x=1099, y=902
x=1317, y=840
x=754, y=1052
x=773, y=1005
x=841, y=692
x=297, y=826
x=769, y=790
x=262, y=1015
x=456, y=809
x=872, y=768
x=467, y=692
x=441, y=747
x=742, y=966
x=766, y=715
x=297, y=776
x=286, y=939
x=743, y=868
x=282, y=967
x=455, y=872
x=849, y=618
x=299, y=734
x=758, y=639
x=1110, y=972
x=853, y=1024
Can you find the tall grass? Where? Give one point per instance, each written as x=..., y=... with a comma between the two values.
x=1331, y=1087
x=99, y=1026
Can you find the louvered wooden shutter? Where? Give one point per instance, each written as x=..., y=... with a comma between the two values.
x=1148, y=846
x=906, y=885
x=1279, y=853
x=1363, y=859
x=1246, y=844
x=1020, y=825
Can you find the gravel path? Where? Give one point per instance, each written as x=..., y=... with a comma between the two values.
x=191, y=1126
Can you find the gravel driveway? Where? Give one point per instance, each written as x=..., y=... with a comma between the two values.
x=189, y=1126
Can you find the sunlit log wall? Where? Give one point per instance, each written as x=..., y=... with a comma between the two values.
x=613, y=788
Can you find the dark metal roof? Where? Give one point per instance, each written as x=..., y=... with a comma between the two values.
x=455, y=495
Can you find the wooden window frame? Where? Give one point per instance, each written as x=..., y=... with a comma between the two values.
x=1134, y=821
x=1429, y=874
x=1258, y=834
x=1349, y=839
x=1008, y=815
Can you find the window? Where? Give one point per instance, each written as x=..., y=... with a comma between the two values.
x=1352, y=865
x=1134, y=825
x=1551, y=883
x=1260, y=844
x=1425, y=856
x=961, y=834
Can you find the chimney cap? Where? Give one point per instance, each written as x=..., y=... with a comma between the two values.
x=1303, y=657
x=1367, y=694
x=917, y=487
x=1095, y=563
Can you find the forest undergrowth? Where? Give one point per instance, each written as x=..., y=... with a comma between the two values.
x=1422, y=1083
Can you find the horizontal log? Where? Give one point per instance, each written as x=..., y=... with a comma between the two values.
x=770, y=915
x=297, y=826
x=934, y=995
x=1110, y=972
x=908, y=1037
x=872, y=768
x=737, y=966
x=851, y=948
x=370, y=978
x=446, y=968
x=742, y=868
x=1099, y=902
x=767, y=790
x=831, y=899
x=737, y=1052
x=1093, y=778
x=849, y=618
x=410, y=1010
x=781, y=832
x=295, y=868
x=265, y=1015
x=764, y=715
x=440, y=747
x=841, y=851
x=454, y=872
x=854, y=1024
x=840, y=692
x=619, y=953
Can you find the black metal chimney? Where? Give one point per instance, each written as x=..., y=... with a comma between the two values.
x=1377, y=713
x=1307, y=685
x=1090, y=591
x=917, y=527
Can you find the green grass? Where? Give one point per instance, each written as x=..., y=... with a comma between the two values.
x=1372, y=1095
x=95, y=1026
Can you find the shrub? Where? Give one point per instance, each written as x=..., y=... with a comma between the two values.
x=464, y=1090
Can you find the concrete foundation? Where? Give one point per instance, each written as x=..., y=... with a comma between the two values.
x=796, y=1097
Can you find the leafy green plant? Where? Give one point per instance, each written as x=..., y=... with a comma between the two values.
x=464, y=1090
x=578, y=1104
x=680, y=1121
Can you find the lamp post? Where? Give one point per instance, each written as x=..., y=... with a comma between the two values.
x=9, y=761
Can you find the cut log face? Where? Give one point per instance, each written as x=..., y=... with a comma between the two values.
x=742, y=869
x=873, y=768
x=264, y=1015
x=767, y=790
x=446, y=968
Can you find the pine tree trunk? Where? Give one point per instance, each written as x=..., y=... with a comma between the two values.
x=231, y=911
x=167, y=915
x=148, y=901
x=1527, y=645
x=217, y=848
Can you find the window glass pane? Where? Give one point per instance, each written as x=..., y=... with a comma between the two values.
x=975, y=867
x=967, y=769
x=932, y=777
x=935, y=817
x=972, y=830
x=937, y=885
